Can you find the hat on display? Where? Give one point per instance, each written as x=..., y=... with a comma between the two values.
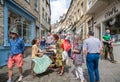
x=14, y=30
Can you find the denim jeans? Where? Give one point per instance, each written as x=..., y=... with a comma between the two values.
x=92, y=61
x=69, y=52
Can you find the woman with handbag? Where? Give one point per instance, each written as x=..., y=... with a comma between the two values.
x=59, y=50
x=77, y=57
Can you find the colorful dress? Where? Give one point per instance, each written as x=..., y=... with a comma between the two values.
x=41, y=63
x=78, y=57
x=59, y=51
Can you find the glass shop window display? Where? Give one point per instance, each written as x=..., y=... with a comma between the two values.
x=23, y=26
x=114, y=25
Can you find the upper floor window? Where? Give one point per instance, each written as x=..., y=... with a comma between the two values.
x=36, y=5
x=89, y=3
x=82, y=8
x=46, y=16
x=49, y=20
x=28, y=1
x=43, y=13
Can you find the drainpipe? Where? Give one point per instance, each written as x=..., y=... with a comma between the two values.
x=40, y=18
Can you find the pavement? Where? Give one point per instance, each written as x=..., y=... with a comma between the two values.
x=109, y=72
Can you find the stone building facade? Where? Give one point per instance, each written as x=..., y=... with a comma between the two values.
x=45, y=15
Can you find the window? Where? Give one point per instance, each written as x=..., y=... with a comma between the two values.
x=46, y=16
x=82, y=8
x=37, y=32
x=22, y=24
x=36, y=5
x=28, y=1
x=49, y=20
x=78, y=10
x=114, y=25
x=43, y=13
x=80, y=30
x=89, y=3
x=90, y=25
x=1, y=2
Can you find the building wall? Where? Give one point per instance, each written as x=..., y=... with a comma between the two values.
x=45, y=20
x=30, y=6
x=1, y=25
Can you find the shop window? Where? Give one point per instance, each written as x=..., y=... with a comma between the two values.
x=22, y=24
x=114, y=25
x=80, y=30
x=36, y=5
x=90, y=25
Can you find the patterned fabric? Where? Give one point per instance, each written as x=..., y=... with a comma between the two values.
x=59, y=51
x=78, y=57
x=41, y=64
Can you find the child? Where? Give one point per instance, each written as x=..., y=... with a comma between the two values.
x=107, y=39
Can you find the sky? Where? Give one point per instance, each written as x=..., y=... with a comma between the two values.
x=58, y=8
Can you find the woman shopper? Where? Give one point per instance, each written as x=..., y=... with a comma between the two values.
x=78, y=58
x=40, y=61
x=59, y=51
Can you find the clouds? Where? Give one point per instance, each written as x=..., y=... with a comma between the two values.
x=58, y=8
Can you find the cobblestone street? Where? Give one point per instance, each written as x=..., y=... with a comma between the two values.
x=109, y=72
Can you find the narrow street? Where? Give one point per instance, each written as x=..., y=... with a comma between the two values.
x=33, y=28
x=109, y=72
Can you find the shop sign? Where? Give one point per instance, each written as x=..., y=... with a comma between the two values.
x=111, y=12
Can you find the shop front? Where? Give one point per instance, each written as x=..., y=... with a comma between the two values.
x=16, y=16
x=109, y=18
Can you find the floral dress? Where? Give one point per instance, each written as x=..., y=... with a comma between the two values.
x=59, y=51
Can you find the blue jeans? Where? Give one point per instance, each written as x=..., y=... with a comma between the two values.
x=69, y=52
x=42, y=47
x=92, y=61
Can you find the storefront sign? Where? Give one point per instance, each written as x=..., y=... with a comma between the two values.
x=111, y=12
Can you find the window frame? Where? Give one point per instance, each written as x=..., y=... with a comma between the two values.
x=36, y=5
x=10, y=5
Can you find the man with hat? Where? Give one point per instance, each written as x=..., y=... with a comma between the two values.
x=16, y=54
x=92, y=48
